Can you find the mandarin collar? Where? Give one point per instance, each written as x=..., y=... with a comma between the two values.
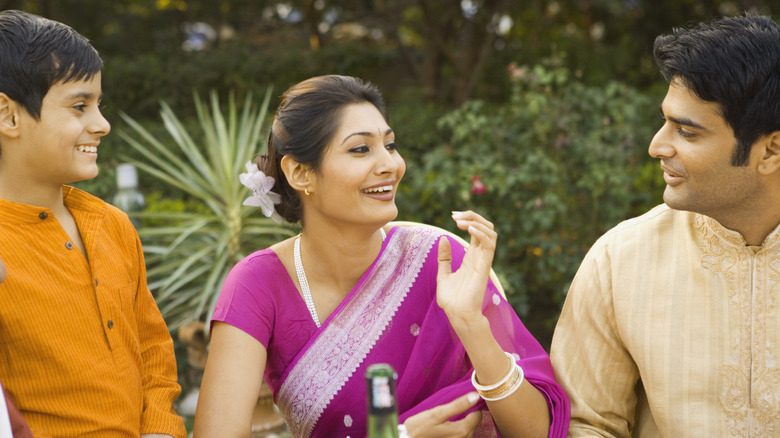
x=735, y=238
x=18, y=213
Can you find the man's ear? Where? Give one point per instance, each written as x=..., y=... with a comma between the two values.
x=298, y=174
x=9, y=116
x=769, y=162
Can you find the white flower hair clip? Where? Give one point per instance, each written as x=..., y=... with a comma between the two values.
x=262, y=196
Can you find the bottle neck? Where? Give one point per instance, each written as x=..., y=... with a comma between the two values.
x=383, y=425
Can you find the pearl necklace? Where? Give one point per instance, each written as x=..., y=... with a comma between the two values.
x=304, y=282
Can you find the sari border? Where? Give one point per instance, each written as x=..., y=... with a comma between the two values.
x=341, y=345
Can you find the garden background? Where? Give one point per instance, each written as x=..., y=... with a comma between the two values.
x=536, y=114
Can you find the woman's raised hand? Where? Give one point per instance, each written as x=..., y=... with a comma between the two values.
x=460, y=294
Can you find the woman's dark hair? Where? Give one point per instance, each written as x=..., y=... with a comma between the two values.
x=734, y=62
x=36, y=53
x=307, y=118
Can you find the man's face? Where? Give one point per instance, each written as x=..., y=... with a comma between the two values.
x=695, y=146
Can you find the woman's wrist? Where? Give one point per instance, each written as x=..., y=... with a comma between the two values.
x=474, y=328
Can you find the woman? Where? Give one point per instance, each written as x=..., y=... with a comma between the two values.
x=310, y=313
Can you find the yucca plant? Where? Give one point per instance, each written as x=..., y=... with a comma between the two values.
x=189, y=253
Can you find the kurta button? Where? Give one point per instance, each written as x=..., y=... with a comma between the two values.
x=69, y=245
x=43, y=215
x=96, y=282
x=110, y=324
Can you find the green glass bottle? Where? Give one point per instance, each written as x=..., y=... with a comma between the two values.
x=382, y=407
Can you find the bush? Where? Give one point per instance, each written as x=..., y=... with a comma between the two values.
x=137, y=84
x=192, y=245
x=553, y=169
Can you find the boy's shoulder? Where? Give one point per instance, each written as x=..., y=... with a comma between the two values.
x=81, y=200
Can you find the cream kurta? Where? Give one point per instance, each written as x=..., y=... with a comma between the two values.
x=671, y=328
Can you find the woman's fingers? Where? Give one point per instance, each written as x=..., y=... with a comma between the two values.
x=460, y=405
x=435, y=422
x=445, y=256
x=465, y=427
x=470, y=216
x=480, y=229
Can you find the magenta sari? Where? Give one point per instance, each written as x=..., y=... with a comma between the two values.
x=391, y=315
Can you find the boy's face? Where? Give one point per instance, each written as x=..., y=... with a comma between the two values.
x=61, y=147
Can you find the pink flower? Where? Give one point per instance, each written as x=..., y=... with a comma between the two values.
x=477, y=188
x=515, y=71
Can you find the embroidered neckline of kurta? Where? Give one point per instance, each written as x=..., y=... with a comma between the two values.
x=750, y=399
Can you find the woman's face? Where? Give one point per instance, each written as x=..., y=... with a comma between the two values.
x=360, y=171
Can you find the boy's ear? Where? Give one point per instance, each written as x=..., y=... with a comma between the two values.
x=770, y=161
x=298, y=175
x=9, y=116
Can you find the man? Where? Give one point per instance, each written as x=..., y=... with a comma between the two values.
x=672, y=323
x=84, y=351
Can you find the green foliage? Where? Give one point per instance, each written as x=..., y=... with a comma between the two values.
x=139, y=82
x=191, y=245
x=561, y=163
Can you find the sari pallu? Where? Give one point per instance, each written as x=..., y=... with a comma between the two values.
x=391, y=316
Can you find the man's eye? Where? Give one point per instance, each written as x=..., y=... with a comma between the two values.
x=685, y=134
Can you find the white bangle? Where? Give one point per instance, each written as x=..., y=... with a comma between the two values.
x=402, y=433
x=513, y=385
x=482, y=388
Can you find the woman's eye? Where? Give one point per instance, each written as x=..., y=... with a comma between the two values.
x=391, y=146
x=359, y=150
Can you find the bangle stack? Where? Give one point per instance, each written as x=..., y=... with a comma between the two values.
x=505, y=387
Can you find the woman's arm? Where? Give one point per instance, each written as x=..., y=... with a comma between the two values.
x=460, y=295
x=231, y=383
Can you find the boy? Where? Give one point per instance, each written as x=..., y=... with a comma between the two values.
x=12, y=423
x=84, y=350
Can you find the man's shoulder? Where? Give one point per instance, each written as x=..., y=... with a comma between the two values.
x=656, y=220
x=652, y=227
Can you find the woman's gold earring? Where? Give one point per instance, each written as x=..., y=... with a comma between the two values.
x=306, y=191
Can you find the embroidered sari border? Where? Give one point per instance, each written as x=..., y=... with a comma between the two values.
x=343, y=343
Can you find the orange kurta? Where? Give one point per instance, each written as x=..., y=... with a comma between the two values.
x=84, y=351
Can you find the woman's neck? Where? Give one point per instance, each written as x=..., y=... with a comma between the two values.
x=336, y=257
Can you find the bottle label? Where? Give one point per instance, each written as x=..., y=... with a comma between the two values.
x=382, y=397
x=380, y=382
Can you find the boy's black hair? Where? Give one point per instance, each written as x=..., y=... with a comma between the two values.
x=36, y=53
